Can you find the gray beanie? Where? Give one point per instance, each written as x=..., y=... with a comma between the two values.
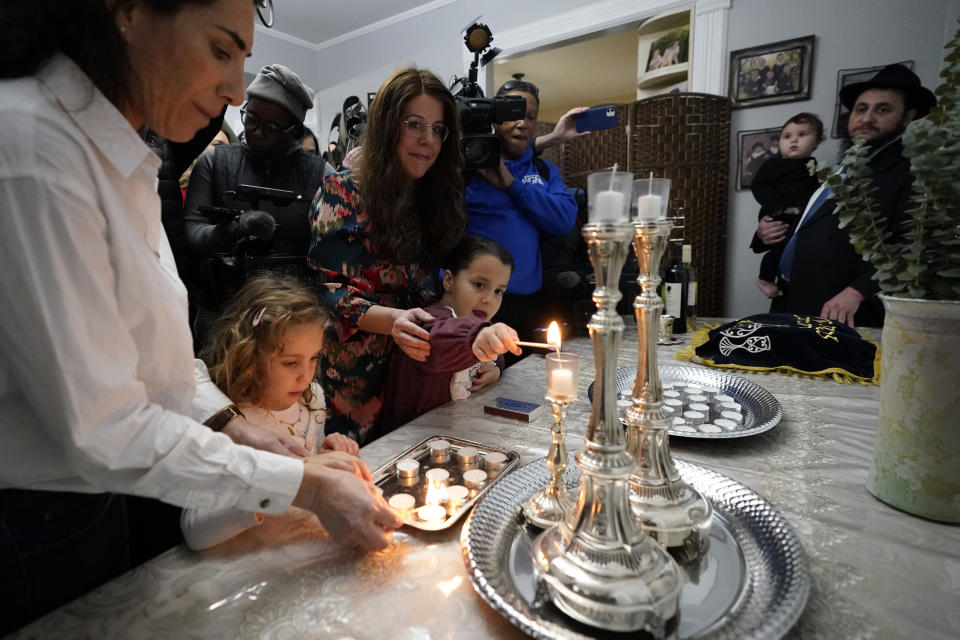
x=278, y=84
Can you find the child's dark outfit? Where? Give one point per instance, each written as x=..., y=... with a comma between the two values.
x=413, y=388
x=778, y=184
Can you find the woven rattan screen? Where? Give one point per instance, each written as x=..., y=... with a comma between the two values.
x=684, y=137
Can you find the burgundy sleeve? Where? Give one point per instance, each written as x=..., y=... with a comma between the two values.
x=451, y=344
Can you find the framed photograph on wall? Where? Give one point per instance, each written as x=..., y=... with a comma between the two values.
x=848, y=76
x=772, y=73
x=754, y=147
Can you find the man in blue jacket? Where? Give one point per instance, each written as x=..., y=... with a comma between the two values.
x=517, y=201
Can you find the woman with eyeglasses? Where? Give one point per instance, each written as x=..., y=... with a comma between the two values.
x=378, y=235
x=96, y=360
x=518, y=201
x=269, y=154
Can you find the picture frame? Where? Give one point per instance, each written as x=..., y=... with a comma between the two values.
x=849, y=76
x=748, y=158
x=772, y=73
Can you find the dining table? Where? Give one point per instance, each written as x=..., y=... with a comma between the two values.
x=875, y=572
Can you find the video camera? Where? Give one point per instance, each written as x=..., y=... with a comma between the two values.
x=481, y=147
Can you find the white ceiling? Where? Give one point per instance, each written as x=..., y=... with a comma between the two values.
x=603, y=69
x=319, y=21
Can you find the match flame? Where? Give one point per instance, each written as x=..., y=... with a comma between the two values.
x=436, y=493
x=553, y=335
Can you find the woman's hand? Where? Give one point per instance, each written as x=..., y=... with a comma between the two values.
x=241, y=431
x=495, y=340
x=343, y=462
x=771, y=231
x=340, y=442
x=487, y=374
x=409, y=334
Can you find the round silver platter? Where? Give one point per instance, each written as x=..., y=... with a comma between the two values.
x=752, y=585
x=761, y=411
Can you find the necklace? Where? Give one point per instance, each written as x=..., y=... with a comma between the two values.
x=289, y=425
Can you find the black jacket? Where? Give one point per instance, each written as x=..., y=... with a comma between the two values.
x=825, y=262
x=225, y=167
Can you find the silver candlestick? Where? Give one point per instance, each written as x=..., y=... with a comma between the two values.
x=669, y=510
x=598, y=566
x=550, y=506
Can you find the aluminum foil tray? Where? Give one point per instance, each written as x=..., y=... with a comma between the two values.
x=761, y=411
x=387, y=479
x=752, y=585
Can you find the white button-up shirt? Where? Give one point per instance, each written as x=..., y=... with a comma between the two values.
x=96, y=360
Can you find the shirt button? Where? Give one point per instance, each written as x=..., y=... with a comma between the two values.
x=265, y=503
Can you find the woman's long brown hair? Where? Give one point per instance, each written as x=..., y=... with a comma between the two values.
x=409, y=224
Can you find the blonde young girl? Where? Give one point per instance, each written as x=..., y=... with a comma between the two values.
x=263, y=355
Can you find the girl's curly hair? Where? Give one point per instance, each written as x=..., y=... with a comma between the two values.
x=251, y=331
x=427, y=219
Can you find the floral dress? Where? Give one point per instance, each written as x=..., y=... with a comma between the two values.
x=350, y=280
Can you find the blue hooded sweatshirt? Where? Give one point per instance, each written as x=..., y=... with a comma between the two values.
x=516, y=217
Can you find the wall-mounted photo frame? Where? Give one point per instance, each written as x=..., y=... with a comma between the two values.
x=772, y=73
x=755, y=147
x=848, y=76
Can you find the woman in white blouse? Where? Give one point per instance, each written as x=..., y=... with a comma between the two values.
x=96, y=366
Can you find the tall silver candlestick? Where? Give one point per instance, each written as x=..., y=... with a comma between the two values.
x=670, y=510
x=598, y=566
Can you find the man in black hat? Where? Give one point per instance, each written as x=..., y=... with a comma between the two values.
x=268, y=155
x=820, y=272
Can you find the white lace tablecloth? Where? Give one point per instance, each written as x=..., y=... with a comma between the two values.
x=876, y=572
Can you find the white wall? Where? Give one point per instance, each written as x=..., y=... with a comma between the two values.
x=850, y=33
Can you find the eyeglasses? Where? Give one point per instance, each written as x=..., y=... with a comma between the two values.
x=265, y=11
x=519, y=85
x=419, y=128
x=252, y=122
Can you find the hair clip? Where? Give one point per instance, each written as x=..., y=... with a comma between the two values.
x=259, y=316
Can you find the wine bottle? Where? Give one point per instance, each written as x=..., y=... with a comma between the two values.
x=675, y=290
x=691, y=280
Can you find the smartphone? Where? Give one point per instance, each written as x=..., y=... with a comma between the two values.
x=597, y=118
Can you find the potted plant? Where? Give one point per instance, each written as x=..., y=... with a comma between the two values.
x=916, y=465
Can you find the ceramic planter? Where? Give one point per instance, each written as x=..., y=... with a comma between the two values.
x=916, y=462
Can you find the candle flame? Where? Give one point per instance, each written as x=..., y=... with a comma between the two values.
x=553, y=335
x=436, y=493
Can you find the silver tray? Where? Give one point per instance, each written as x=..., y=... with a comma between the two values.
x=761, y=411
x=386, y=478
x=753, y=584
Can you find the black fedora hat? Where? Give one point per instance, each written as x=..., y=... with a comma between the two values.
x=893, y=76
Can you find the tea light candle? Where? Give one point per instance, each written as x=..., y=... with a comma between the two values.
x=736, y=416
x=673, y=404
x=467, y=456
x=691, y=391
x=456, y=495
x=608, y=207
x=720, y=398
x=402, y=501
x=432, y=513
x=493, y=461
x=710, y=428
x=694, y=417
x=474, y=478
x=710, y=392
x=725, y=424
x=438, y=476
x=683, y=428
x=731, y=406
x=409, y=482
x=671, y=393
x=698, y=398
x=648, y=207
x=699, y=406
x=560, y=383
x=408, y=468
x=439, y=451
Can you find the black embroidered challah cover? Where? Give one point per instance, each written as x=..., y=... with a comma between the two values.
x=788, y=343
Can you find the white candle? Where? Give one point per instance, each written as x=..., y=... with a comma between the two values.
x=607, y=207
x=402, y=501
x=648, y=207
x=736, y=416
x=474, y=478
x=457, y=493
x=561, y=384
x=438, y=476
x=408, y=468
x=432, y=513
